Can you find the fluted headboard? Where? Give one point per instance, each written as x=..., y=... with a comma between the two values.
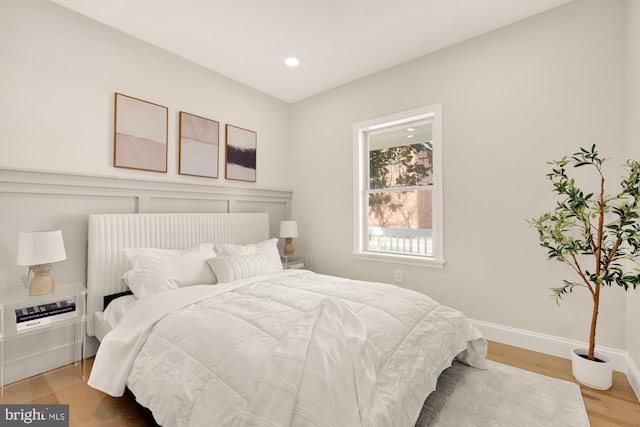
x=109, y=234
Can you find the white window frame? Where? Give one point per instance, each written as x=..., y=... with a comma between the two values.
x=360, y=180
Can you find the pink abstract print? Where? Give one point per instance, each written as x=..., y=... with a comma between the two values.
x=140, y=136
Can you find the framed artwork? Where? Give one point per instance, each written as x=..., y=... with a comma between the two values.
x=199, y=141
x=241, y=154
x=140, y=135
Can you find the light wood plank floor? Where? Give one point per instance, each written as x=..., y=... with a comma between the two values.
x=88, y=407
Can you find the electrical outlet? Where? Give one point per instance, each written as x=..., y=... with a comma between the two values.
x=397, y=274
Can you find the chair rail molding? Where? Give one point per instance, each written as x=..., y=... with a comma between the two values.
x=43, y=182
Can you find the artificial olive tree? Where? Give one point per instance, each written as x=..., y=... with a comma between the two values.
x=597, y=234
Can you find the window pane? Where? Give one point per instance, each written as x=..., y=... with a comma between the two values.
x=401, y=222
x=401, y=166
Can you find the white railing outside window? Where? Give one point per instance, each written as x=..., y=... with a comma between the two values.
x=401, y=240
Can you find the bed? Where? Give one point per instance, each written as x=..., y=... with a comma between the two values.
x=216, y=333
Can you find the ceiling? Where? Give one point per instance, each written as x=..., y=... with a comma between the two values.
x=337, y=41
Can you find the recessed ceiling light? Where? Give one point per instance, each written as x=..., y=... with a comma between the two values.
x=410, y=136
x=410, y=129
x=292, y=62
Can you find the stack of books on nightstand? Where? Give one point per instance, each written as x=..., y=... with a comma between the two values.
x=288, y=263
x=43, y=314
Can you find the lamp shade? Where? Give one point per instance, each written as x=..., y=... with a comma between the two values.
x=288, y=229
x=40, y=247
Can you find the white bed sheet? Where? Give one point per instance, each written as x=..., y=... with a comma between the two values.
x=101, y=327
x=108, y=319
x=117, y=308
x=292, y=348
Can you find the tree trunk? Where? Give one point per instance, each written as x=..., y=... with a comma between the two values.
x=594, y=322
x=598, y=282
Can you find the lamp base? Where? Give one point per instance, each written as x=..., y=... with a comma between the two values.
x=288, y=246
x=42, y=283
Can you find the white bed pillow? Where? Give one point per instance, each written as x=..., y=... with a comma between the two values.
x=230, y=268
x=145, y=285
x=267, y=247
x=160, y=270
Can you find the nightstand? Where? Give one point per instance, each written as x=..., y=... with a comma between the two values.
x=22, y=315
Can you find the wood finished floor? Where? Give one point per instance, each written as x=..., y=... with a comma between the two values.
x=88, y=407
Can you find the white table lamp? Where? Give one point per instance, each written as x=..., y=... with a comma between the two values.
x=38, y=250
x=288, y=230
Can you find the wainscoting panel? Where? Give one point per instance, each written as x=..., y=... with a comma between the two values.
x=36, y=200
x=275, y=209
x=67, y=212
x=187, y=205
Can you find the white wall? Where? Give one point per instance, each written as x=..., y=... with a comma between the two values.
x=633, y=143
x=633, y=78
x=58, y=77
x=512, y=100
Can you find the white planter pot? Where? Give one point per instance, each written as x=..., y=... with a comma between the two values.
x=594, y=374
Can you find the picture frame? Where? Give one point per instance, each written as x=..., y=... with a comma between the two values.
x=241, y=153
x=140, y=134
x=198, y=146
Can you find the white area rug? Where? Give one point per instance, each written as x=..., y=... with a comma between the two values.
x=502, y=396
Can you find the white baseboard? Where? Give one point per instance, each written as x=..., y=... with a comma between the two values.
x=634, y=376
x=560, y=347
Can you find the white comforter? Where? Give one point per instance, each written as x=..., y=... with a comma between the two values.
x=289, y=349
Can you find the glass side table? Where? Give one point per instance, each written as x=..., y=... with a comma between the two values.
x=22, y=315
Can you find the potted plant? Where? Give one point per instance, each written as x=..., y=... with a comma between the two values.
x=598, y=236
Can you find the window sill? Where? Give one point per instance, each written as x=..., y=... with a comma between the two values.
x=400, y=259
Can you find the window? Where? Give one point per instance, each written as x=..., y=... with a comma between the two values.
x=398, y=188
